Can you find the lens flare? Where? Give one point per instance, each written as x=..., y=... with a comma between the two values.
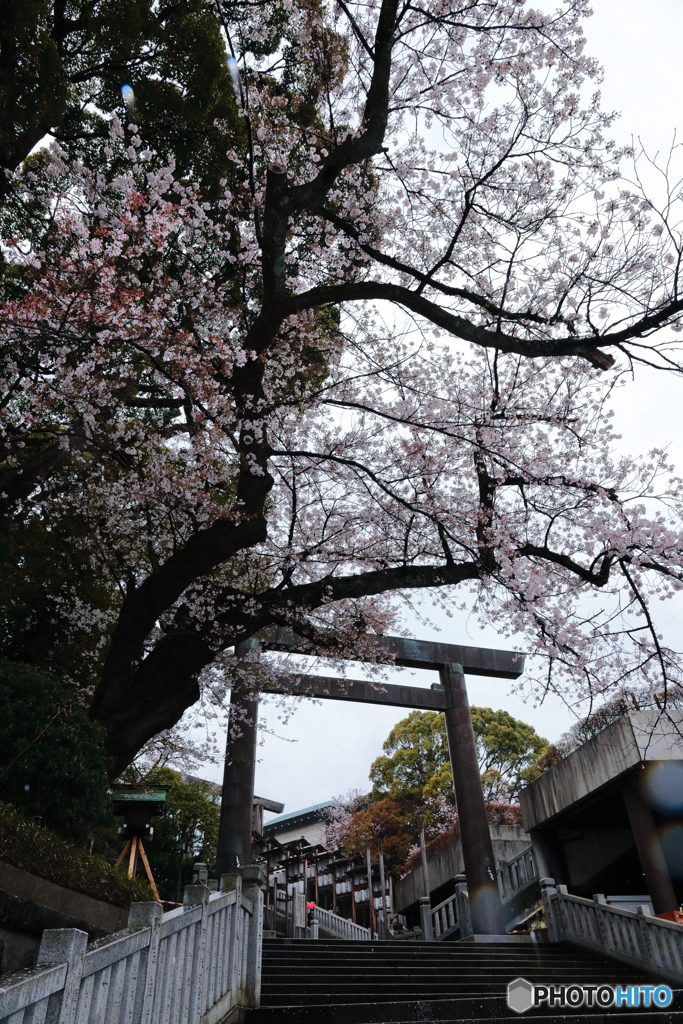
x=662, y=786
x=672, y=847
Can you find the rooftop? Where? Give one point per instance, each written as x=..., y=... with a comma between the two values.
x=311, y=813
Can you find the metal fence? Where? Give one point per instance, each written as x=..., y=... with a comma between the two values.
x=636, y=937
x=192, y=965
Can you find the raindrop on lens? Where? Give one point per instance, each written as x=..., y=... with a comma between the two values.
x=234, y=75
x=128, y=95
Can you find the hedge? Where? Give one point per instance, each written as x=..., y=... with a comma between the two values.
x=28, y=845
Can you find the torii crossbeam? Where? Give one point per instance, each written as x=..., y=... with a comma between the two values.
x=451, y=661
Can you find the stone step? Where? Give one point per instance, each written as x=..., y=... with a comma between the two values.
x=308, y=982
x=445, y=1011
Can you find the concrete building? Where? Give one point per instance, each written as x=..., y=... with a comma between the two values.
x=307, y=823
x=609, y=817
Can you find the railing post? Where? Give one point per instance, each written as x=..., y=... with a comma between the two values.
x=197, y=896
x=553, y=920
x=254, y=881
x=462, y=903
x=65, y=945
x=148, y=915
x=601, y=926
x=229, y=883
x=426, y=919
x=646, y=937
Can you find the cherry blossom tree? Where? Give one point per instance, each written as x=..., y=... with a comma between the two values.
x=380, y=364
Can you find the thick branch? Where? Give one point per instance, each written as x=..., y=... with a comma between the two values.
x=534, y=348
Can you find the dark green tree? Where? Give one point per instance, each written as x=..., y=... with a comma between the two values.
x=63, y=64
x=46, y=574
x=53, y=766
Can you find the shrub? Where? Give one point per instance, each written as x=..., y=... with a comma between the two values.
x=28, y=845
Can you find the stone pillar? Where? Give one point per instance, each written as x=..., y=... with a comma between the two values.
x=462, y=904
x=657, y=877
x=426, y=919
x=553, y=920
x=486, y=907
x=234, y=835
x=59, y=946
x=540, y=853
x=254, y=881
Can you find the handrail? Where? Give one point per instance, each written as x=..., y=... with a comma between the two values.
x=635, y=937
x=517, y=873
x=196, y=963
x=445, y=918
x=340, y=926
x=451, y=915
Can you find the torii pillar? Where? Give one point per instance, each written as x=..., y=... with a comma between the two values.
x=477, y=849
x=234, y=832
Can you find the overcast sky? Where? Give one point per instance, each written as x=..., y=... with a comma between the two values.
x=327, y=748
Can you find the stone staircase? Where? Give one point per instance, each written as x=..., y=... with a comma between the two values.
x=326, y=982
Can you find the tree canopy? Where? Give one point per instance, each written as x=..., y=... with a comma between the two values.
x=416, y=764
x=372, y=357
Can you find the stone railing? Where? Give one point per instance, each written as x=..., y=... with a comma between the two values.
x=453, y=914
x=338, y=926
x=189, y=966
x=517, y=874
x=636, y=937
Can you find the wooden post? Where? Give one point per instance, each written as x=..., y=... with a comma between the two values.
x=372, y=924
x=382, y=885
x=425, y=864
x=334, y=887
x=484, y=896
x=353, y=894
x=234, y=834
x=148, y=870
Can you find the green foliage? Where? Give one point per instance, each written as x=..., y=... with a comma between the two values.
x=416, y=748
x=30, y=846
x=53, y=764
x=416, y=765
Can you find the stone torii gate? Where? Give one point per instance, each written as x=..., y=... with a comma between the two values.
x=452, y=662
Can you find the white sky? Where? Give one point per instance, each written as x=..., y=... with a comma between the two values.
x=328, y=747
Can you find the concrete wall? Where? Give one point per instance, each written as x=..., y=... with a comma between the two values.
x=29, y=905
x=507, y=840
x=637, y=736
